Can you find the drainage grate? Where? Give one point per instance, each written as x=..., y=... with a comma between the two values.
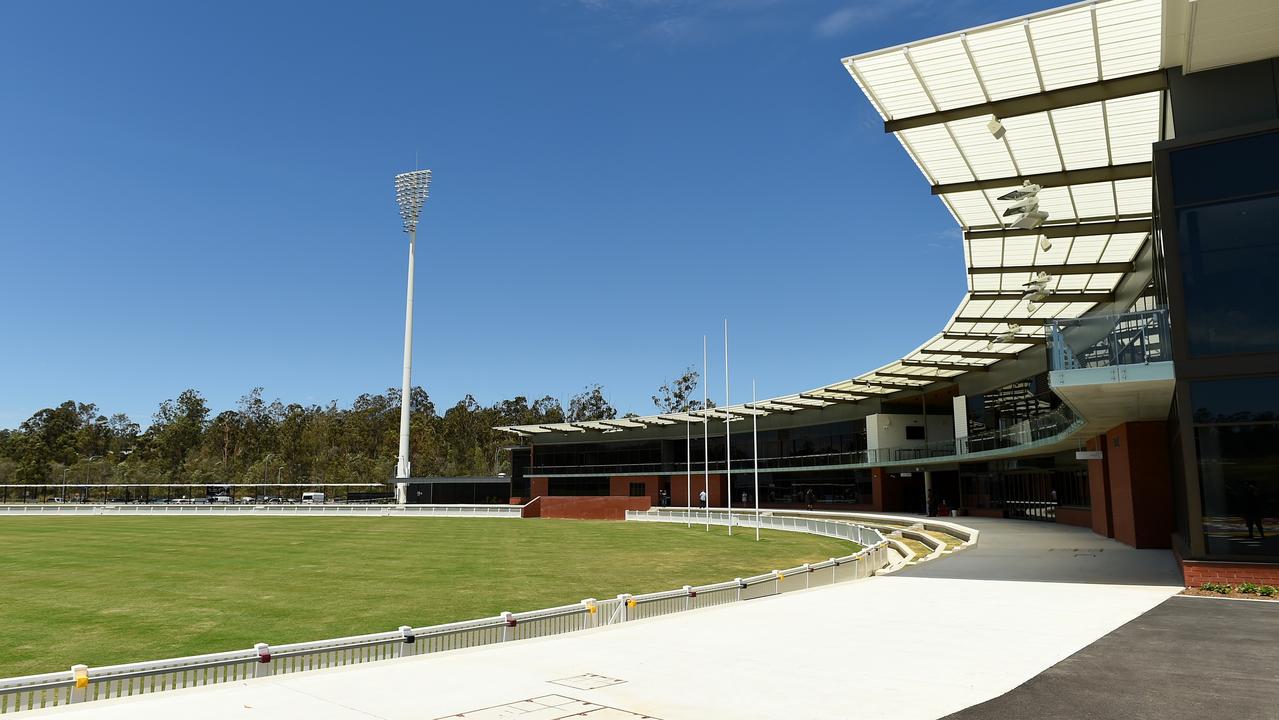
x=550, y=707
x=588, y=681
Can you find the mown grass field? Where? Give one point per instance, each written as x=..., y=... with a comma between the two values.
x=101, y=590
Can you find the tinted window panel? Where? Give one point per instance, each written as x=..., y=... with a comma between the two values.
x=1235, y=401
x=1237, y=465
x=1226, y=252
x=1226, y=169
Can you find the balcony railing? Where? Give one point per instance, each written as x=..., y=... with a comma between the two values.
x=1133, y=338
x=1031, y=432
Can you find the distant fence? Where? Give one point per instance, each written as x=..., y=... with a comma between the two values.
x=304, y=510
x=83, y=684
x=843, y=530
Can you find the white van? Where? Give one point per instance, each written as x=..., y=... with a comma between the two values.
x=311, y=498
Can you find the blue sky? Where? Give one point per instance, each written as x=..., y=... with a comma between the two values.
x=200, y=195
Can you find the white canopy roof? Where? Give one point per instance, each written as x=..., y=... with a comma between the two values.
x=1079, y=96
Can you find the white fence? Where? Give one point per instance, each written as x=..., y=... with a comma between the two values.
x=229, y=510
x=83, y=684
x=841, y=529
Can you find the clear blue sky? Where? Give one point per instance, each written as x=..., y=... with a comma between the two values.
x=200, y=195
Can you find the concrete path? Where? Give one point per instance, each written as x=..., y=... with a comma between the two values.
x=1188, y=658
x=921, y=644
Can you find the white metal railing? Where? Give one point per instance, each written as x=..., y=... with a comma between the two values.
x=841, y=529
x=308, y=510
x=84, y=684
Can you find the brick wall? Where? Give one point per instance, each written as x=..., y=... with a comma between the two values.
x=586, y=507
x=1198, y=572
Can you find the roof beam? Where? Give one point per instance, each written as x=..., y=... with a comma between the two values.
x=914, y=376
x=1061, y=178
x=835, y=399
x=856, y=393
x=890, y=384
x=1059, y=296
x=1040, y=102
x=944, y=365
x=563, y=429
x=1077, y=269
x=1023, y=339
x=1013, y=320
x=972, y=354
x=1070, y=230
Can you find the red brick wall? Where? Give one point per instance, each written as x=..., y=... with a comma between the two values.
x=1078, y=516
x=1198, y=572
x=586, y=508
x=1099, y=490
x=537, y=487
x=1140, y=484
x=679, y=483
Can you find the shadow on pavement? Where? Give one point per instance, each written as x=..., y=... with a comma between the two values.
x=1187, y=658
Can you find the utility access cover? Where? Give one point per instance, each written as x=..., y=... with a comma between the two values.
x=589, y=681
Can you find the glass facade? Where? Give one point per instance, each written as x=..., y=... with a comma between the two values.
x=1236, y=426
x=560, y=486
x=812, y=445
x=1228, y=230
x=815, y=487
x=1014, y=403
x=1031, y=489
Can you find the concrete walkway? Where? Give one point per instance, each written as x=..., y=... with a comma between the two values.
x=925, y=643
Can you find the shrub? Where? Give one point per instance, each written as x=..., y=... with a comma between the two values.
x=1248, y=588
x=1267, y=591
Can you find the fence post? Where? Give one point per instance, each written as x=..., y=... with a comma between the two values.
x=406, y=647
x=263, y=668
x=625, y=603
x=592, y=617
x=808, y=574
x=740, y=584
x=688, y=595
x=80, y=689
x=508, y=629
x=778, y=577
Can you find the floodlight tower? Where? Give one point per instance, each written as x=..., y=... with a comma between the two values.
x=410, y=192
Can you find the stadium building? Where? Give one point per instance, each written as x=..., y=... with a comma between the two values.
x=1114, y=169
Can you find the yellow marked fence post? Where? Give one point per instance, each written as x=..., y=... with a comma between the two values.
x=80, y=686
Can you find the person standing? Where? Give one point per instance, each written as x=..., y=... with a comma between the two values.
x=701, y=499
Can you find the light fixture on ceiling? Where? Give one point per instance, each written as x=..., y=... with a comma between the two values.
x=1025, y=207
x=996, y=128
x=1005, y=337
x=1036, y=294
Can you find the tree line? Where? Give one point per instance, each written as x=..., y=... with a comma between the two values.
x=259, y=441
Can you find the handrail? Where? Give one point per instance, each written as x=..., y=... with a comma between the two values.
x=84, y=684
x=1132, y=338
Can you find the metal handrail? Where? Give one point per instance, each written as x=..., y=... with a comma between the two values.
x=1132, y=338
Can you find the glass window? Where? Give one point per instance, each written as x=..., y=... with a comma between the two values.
x=577, y=486
x=1237, y=472
x=1235, y=401
x=1245, y=166
x=639, y=489
x=1226, y=249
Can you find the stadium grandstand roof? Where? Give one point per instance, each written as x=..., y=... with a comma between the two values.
x=1069, y=99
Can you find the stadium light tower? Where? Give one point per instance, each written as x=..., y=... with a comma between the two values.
x=410, y=192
